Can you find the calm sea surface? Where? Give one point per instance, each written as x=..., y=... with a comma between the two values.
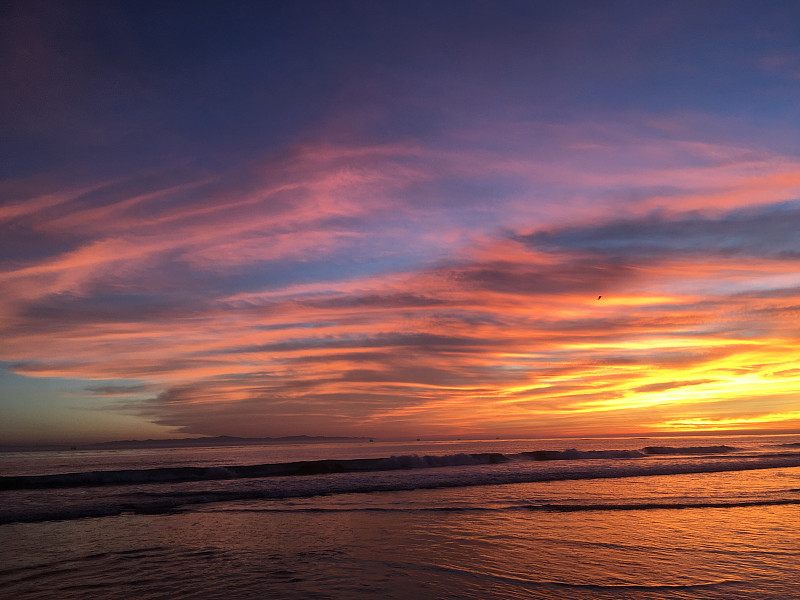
x=659, y=518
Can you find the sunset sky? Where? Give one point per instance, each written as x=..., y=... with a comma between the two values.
x=398, y=219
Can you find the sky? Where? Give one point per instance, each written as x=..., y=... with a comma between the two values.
x=398, y=219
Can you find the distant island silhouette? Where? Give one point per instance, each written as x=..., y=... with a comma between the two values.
x=198, y=442
x=220, y=440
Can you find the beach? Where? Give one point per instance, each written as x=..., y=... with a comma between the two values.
x=728, y=532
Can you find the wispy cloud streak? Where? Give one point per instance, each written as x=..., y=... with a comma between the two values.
x=317, y=292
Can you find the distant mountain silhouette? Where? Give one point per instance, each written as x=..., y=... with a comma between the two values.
x=199, y=442
x=220, y=440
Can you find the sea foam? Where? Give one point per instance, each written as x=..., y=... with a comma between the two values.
x=320, y=467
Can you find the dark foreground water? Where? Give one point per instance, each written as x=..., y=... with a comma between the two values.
x=717, y=519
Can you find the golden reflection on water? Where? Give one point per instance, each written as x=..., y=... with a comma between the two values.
x=424, y=544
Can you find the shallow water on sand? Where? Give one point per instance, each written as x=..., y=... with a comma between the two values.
x=699, y=535
x=488, y=543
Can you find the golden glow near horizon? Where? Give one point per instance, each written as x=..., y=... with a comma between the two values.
x=447, y=359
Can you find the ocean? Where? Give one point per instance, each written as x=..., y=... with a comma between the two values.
x=639, y=519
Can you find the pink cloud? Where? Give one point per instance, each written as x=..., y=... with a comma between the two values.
x=482, y=332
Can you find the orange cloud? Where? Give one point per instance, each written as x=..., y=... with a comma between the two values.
x=318, y=289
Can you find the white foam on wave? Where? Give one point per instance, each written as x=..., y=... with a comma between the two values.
x=574, y=454
x=318, y=467
x=409, y=473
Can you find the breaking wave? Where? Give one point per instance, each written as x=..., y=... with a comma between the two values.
x=68, y=495
x=320, y=467
x=290, y=469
